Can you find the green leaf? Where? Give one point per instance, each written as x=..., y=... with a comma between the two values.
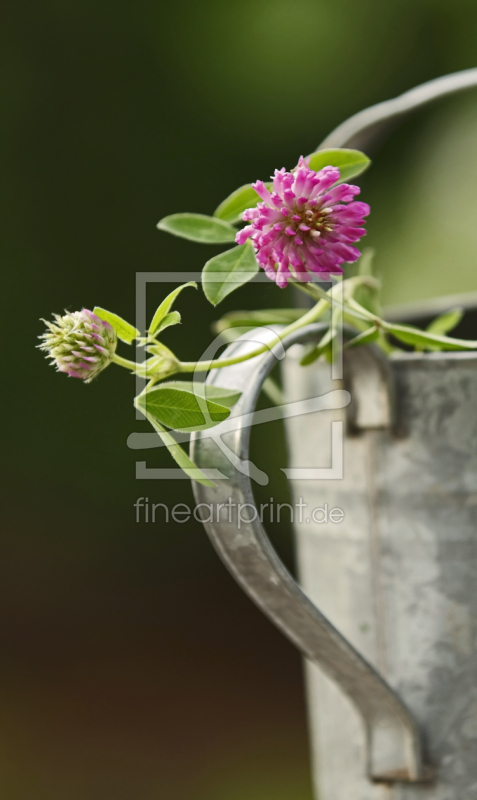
x=349, y=162
x=198, y=228
x=232, y=208
x=125, y=331
x=325, y=343
x=166, y=305
x=315, y=352
x=181, y=410
x=365, y=263
x=367, y=297
x=256, y=319
x=178, y=454
x=422, y=339
x=446, y=322
x=366, y=337
x=226, y=272
x=170, y=319
x=224, y=397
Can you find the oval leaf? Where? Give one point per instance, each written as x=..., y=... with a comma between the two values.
x=125, y=331
x=181, y=410
x=422, y=339
x=198, y=228
x=446, y=322
x=173, y=318
x=232, y=208
x=349, y=162
x=311, y=356
x=226, y=272
x=166, y=305
x=224, y=397
x=365, y=263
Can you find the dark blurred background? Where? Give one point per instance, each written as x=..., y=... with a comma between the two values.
x=131, y=666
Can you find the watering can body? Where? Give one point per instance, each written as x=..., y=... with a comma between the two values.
x=397, y=574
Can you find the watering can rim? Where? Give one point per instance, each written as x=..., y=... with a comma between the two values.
x=451, y=356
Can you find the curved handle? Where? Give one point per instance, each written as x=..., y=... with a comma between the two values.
x=362, y=128
x=394, y=744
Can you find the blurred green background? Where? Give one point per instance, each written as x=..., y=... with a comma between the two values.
x=131, y=666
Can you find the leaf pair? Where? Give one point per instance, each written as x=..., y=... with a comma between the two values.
x=164, y=317
x=225, y=272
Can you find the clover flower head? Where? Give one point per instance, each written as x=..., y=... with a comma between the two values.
x=305, y=224
x=80, y=344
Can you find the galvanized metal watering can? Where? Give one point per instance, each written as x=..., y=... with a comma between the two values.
x=386, y=610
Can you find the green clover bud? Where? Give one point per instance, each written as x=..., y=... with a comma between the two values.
x=80, y=344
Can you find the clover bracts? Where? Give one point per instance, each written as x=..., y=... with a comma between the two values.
x=80, y=344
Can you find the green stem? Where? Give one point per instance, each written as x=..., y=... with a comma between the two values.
x=316, y=292
x=125, y=362
x=325, y=299
x=204, y=366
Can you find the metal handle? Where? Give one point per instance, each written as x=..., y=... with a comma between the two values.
x=394, y=743
x=361, y=129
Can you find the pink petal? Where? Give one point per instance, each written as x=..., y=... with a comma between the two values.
x=244, y=234
x=262, y=191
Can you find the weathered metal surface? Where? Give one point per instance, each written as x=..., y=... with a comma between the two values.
x=394, y=746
